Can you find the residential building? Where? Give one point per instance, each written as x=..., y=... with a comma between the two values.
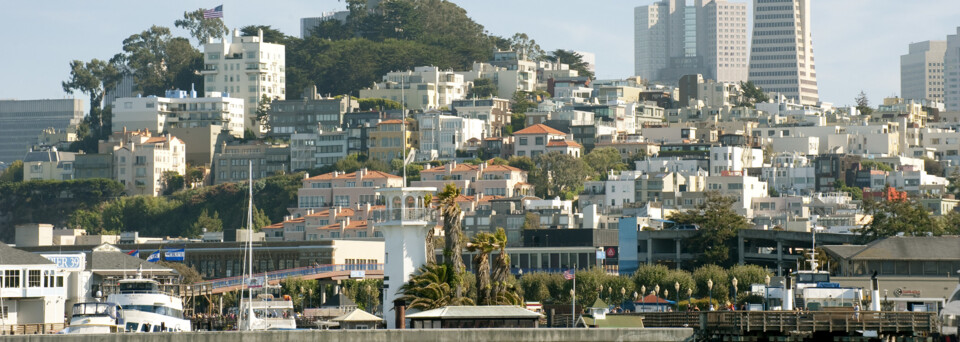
x=425, y=87
x=308, y=113
x=344, y=189
x=571, y=148
x=93, y=165
x=674, y=38
x=141, y=159
x=358, y=126
x=21, y=121
x=781, y=57
x=48, y=165
x=921, y=71
x=441, y=136
x=496, y=180
x=232, y=163
x=513, y=75
x=533, y=140
x=247, y=68
x=494, y=112
x=389, y=140
x=307, y=25
x=740, y=186
x=61, y=139
x=734, y=158
x=951, y=73
x=317, y=149
x=790, y=173
x=178, y=109
x=201, y=142
x=33, y=289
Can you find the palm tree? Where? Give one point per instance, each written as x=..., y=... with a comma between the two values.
x=483, y=243
x=501, y=271
x=453, y=247
x=431, y=288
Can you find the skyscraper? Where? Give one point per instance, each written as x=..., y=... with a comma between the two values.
x=22, y=121
x=781, y=57
x=921, y=71
x=951, y=73
x=682, y=37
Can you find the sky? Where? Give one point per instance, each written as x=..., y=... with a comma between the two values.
x=857, y=43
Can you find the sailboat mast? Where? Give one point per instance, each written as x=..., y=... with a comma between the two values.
x=250, y=245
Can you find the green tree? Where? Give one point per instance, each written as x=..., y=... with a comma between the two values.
x=93, y=78
x=482, y=88
x=522, y=162
x=188, y=275
x=558, y=174
x=650, y=275
x=525, y=47
x=898, y=216
x=13, y=173
x=603, y=160
x=521, y=102
x=747, y=275
x=482, y=244
x=721, y=282
x=263, y=112
x=378, y=104
x=298, y=289
x=572, y=58
x=194, y=177
x=433, y=286
x=270, y=34
x=874, y=165
x=453, y=234
x=366, y=292
x=89, y=221
x=200, y=28
x=719, y=225
x=537, y=286
x=863, y=104
x=618, y=289
x=933, y=167
x=752, y=94
x=951, y=223
x=855, y=193
x=205, y=222
x=158, y=61
x=504, y=290
x=172, y=182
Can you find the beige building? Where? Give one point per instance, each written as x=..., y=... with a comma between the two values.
x=247, y=68
x=422, y=88
x=499, y=180
x=781, y=60
x=140, y=160
x=48, y=165
x=921, y=71
x=389, y=140
x=232, y=163
x=344, y=189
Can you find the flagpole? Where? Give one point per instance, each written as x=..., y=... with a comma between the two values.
x=573, y=304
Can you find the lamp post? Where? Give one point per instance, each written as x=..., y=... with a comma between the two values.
x=735, y=290
x=656, y=291
x=676, y=286
x=600, y=292
x=710, y=298
x=623, y=294
x=766, y=280
x=573, y=308
x=666, y=294
x=643, y=300
x=689, y=297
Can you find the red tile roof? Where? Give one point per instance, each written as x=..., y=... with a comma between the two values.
x=563, y=143
x=353, y=175
x=538, y=129
x=326, y=213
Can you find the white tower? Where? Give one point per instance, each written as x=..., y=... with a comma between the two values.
x=406, y=222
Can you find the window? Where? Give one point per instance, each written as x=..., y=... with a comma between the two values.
x=523, y=141
x=11, y=278
x=538, y=141
x=33, y=279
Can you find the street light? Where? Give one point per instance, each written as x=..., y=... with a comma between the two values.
x=666, y=294
x=656, y=290
x=676, y=286
x=710, y=298
x=766, y=280
x=623, y=294
x=643, y=300
x=734, y=281
x=689, y=297
x=600, y=292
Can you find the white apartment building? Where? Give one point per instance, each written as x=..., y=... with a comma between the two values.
x=733, y=159
x=442, y=135
x=533, y=140
x=951, y=73
x=802, y=145
x=141, y=159
x=781, y=56
x=667, y=164
x=246, y=68
x=423, y=88
x=790, y=173
x=522, y=76
x=921, y=71
x=179, y=110
x=48, y=165
x=314, y=150
x=672, y=39
x=741, y=187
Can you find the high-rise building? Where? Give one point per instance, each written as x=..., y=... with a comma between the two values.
x=951, y=73
x=22, y=121
x=675, y=38
x=246, y=68
x=921, y=71
x=781, y=56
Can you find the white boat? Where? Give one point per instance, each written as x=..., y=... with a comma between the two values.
x=147, y=309
x=95, y=318
x=263, y=312
x=949, y=315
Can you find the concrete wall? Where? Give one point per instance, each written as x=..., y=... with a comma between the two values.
x=548, y=335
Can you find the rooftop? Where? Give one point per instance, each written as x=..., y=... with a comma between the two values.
x=490, y=311
x=538, y=129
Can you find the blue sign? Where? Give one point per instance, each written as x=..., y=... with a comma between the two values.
x=175, y=254
x=70, y=262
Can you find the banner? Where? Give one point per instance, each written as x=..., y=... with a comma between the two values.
x=154, y=257
x=175, y=254
x=135, y=252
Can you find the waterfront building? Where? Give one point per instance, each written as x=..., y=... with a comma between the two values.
x=33, y=290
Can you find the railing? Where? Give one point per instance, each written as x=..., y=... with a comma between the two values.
x=785, y=321
x=31, y=329
x=283, y=274
x=410, y=214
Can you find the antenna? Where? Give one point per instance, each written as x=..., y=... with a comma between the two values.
x=403, y=137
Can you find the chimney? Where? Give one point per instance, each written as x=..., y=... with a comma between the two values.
x=400, y=306
x=333, y=213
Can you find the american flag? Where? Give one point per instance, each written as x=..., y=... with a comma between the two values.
x=568, y=275
x=216, y=12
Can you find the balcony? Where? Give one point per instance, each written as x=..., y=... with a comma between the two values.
x=415, y=214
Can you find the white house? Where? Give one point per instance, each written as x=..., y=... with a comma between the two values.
x=178, y=109
x=33, y=289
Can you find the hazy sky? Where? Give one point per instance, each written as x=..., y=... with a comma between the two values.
x=857, y=43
